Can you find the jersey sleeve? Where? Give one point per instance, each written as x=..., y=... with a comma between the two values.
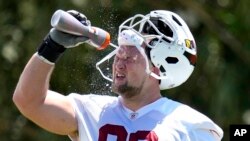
x=200, y=127
x=204, y=135
x=87, y=111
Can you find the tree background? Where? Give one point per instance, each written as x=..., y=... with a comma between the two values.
x=219, y=86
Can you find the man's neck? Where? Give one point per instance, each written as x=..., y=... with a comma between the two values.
x=140, y=100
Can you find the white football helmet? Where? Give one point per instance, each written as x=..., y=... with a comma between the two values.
x=170, y=45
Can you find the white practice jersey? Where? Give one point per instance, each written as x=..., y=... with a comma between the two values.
x=104, y=118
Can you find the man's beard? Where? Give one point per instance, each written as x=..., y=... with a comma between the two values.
x=125, y=90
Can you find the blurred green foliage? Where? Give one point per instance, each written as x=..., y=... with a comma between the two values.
x=219, y=86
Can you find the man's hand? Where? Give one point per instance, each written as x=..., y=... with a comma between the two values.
x=67, y=40
x=56, y=42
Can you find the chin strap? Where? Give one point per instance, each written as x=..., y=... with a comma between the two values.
x=141, y=50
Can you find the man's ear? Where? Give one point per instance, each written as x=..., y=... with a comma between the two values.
x=155, y=70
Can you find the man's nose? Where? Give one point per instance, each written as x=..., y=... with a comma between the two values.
x=120, y=64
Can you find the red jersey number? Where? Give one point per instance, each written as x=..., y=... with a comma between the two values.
x=122, y=134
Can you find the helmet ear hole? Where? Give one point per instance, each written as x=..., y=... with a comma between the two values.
x=172, y=60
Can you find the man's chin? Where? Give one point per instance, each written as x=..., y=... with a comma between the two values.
x=119, y=87
x=125, y=90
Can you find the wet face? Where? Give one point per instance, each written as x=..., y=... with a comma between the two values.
x=128, y=71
